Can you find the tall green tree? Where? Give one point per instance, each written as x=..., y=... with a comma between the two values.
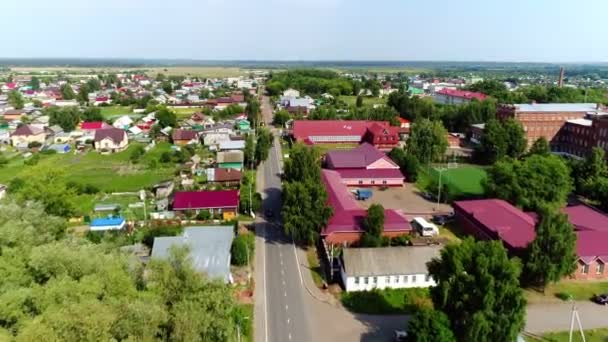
x=35, y=83
x=515, y=138
x=249, y=151
x=303, y=163
x=263, y=144
x=373, y=224
x=408, y=163
x=478, y=289
x=92, y=114
x=83, y=94
x=253, y=111
x=305, y=211
x=66, y=117
x=166, y=118
x=359, y=102
x=429, y=326
x=525, y=183
x=540, y=147
x=15, y=99
x=501, y=139
x=67, y=93
x=428, y=140
x=552, y=254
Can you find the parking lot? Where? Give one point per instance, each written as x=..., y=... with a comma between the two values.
x=407, y=199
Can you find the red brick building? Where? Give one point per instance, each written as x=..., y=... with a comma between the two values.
x=546, y=119
x=495, y=219
x=378, y=133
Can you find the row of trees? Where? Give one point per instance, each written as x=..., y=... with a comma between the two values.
x=69, y=117
x=500, y=140
x=305, y=210
x=59, y=287
x=539, y=93
x=309, y=81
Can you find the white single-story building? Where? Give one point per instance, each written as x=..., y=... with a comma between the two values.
x=365, y=269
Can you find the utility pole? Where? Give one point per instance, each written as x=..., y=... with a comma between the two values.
x=578, y=320
x=440, y=170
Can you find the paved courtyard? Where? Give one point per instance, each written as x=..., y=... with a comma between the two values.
x=407, y=199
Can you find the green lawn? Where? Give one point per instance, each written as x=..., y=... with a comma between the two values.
x=351, y=100
x=387, y=301
x=184, y=113
x=592, y=335
x=246, y=328
x=109, y=173
x=462, y=182
x=113, y=111
x=315, y=266
x=578, y=290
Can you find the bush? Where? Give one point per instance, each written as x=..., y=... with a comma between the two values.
x=165, y=157
x=387, y=301
x=401, y=240
x=83, y=189
x=33, y=160
x=48, y=152
x=242, y=249
x=203, y=215
x=3, y=161
x=150, y=234
x=34, y=144
x=137, y=153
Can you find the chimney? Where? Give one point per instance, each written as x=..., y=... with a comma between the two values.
x=560, y=81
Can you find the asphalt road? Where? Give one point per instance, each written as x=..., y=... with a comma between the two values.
x=281, y=312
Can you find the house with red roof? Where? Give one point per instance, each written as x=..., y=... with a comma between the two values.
x=184, y=136
x=404, y=125
x=91, y=126
x=457, y=96
x=346, y=224
x=224, y=202
x=378, y=133
x=364, y=165
x=26, y=134
x=495, y=219
x=110, y=140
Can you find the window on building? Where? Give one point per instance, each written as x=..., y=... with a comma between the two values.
x=360, y=182
x=383, y=182
x=373, y=182
x=356, y=280
x=374, y=280
x=405, y=279
x=366, y=280
x=427, y=278
x=585, y=269
x=599, y=268
x=414, y=278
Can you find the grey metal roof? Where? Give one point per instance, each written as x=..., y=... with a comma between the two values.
x=557, y=107
x=209, y=249
x=388, y=260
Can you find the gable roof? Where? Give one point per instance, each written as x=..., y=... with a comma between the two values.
x=462, y=94
x=209, y=249
x=90, y=125
x=359, y=157
x=230, y=157
x=303, y=129
x=388, y=260
x=115, y=134
x=183, y=134
x=27, y=130
x=206, y=199
x=377, y=129
x=501, y=219
x=226, y=175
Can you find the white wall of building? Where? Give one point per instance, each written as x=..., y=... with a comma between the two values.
x=397, y=281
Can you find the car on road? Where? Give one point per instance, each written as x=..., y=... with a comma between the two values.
x=601, y=299
x=443, y=219
x=400, y=335
x=428, y=196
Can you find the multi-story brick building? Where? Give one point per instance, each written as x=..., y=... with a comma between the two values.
x=548, y=119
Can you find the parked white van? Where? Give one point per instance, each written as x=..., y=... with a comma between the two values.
x=424, y=227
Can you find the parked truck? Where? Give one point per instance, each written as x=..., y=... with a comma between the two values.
x=363, y=194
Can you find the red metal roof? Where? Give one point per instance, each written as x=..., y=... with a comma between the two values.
x=94, y=125
x=370, y=173
x=115, y=134
x=348, y=216
x=462, y=94
x=206, y=199
x=184, y=134
x=517, y=228
x=303, y=129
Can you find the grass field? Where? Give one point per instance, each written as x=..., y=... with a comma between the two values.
x=592, y=335
x=578, y=290
x=202, y=71
x=315, y=267
x=387, y=301
x=184, y=113
x=462, y=182
x=352, y=100
x=108, y=172
x=114, y=111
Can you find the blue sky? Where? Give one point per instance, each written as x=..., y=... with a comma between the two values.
x=479, y=30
